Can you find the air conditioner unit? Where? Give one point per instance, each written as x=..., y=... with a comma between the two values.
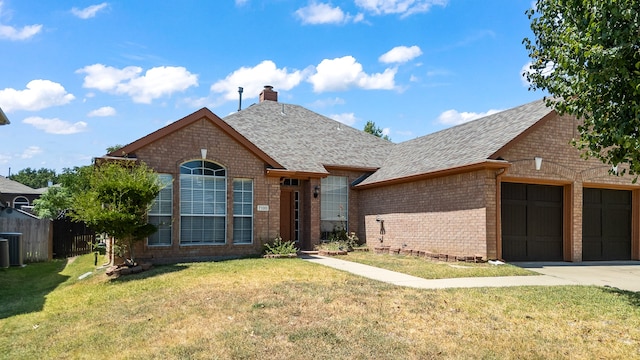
x=15, y=247
x=4, y=253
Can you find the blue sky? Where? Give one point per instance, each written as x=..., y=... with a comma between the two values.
x=79, y=76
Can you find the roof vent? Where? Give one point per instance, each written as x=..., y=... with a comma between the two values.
x=268, y=94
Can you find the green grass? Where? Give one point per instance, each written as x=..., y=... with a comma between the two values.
x=429, y=269
x=292, y=309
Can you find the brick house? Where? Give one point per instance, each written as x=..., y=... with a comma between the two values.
x=506, y=186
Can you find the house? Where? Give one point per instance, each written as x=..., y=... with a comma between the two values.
x=506, y=186
x=16, y=195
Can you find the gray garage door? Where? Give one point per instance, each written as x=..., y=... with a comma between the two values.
x=531, y=222
x=606, y=224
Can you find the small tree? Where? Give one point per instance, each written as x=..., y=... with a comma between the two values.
x=371, y=128
x=119, y=196
x=55, y=202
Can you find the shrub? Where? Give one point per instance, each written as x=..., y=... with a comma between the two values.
x=279, y=247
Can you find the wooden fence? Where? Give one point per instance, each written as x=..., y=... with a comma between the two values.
x=71, y=238
x=37, y=237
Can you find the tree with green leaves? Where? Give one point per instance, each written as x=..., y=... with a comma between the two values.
x=117, y=201
x=35, y=178
x=113, y=148
x=55, y=202
x=371, y=128
x=586, y=54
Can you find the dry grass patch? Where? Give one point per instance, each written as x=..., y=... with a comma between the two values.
x=429, y=269
x=292, y=309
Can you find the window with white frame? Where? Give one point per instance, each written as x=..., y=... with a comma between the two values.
x=161, y=213
x=242, y=211
x=334, y=208
x=20, y=201
x=203, y=203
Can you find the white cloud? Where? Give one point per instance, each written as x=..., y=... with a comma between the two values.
x=30, y=152
x=400, y=54
x=453, y=117
x=155, y=83
x=15, y=34
x=102, y=112
x=38, y=95
x=526, y=69
x=345, y=118
x=241, y=2
x=89, y=11
x=344, y=73
x=320, y=13
x=402, y=7
x=55, y=126
x=253, y=80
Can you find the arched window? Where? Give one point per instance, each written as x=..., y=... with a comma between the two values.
x=20, y=201
x=203, y=203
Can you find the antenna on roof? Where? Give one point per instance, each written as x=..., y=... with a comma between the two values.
x=240, y=89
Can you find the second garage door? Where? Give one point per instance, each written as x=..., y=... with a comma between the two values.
x=531, y=222
x=606, y=224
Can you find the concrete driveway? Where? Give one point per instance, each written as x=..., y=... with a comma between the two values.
x=624, y=275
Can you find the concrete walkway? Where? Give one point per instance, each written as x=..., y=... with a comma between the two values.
x=550, y=275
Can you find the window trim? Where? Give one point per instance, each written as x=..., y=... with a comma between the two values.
x=213, y=171
x=243, y=216
x=22, y=203
x=168, y=184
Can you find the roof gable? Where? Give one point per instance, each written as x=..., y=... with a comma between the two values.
x=203, y=113
x=460, y=146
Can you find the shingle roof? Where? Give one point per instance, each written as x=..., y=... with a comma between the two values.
x=9, y=186
x=302, y=140
x=466, y=144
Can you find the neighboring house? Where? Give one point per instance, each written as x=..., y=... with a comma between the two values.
x=474, y=189
x=16, y=195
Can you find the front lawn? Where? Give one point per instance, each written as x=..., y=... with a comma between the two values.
x=292, y=309
x=429, y=269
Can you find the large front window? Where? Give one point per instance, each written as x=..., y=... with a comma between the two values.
x=242, y=211
x=203, y=203
x=160, y=214
x=334, y=205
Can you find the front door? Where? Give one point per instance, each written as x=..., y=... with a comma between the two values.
x=289, y=215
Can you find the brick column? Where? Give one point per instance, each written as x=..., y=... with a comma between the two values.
x=575, y=246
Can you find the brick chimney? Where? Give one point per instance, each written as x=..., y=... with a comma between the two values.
x=268, y=94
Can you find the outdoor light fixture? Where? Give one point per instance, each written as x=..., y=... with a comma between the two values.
x=614, y=168
x=316, y=191
x=538, y=162
x=203, y=153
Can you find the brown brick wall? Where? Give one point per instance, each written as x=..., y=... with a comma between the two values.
x=446, y=215
x=165, y=156
x=458, y=215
